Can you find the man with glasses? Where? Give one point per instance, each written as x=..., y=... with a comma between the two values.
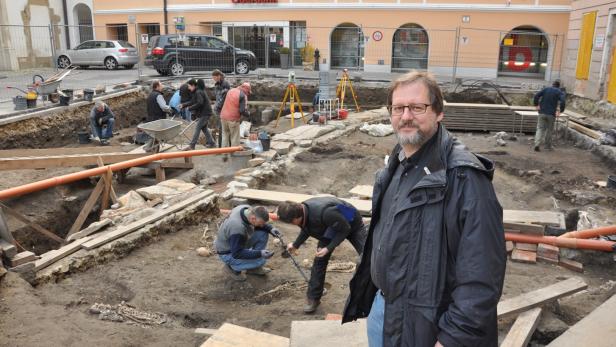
x=433, y=264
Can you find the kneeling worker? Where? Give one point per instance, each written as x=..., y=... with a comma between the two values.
x=329, y=220
x=101, y=116
x=242, y=239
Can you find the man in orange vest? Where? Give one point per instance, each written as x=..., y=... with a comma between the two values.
x=235, y=106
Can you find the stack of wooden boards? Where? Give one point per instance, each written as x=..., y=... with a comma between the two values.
x=534, y=223
x=488, y=117
x=12, y=258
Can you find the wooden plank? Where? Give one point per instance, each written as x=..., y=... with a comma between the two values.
x=363, y=206
x=102, y=239
x=31, y=224
x=571, y=265
x=596, y=330
x=229, y=335
x=522, y=256
x=61, y=151
x=76, y=160
x=522, y=330
x=205, y=331
x=584, y=130
x=22, y=258
x=363, y=191
x=106, y=191
x=525, y=228
x=539, y=297
x=108, y=180
x=60, y=253
x=531, y=247
x=550, y=218
x=87, y=207
x=91, y=229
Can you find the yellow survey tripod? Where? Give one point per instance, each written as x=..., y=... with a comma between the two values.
x=342, y=88
x=291, y=94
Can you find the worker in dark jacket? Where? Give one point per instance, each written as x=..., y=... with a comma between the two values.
x=433, y=264
x=221, y=87
x=200, y=107
x=101, y=122
x=329, y=220
x=242, y=239
x=550, y=103
x=157, y=109
x=186, y=94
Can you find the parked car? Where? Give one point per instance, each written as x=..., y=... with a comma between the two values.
x=176, y=54
x=109, y=53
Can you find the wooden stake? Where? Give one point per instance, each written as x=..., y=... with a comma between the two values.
x=31, y=224
x=114, y=197
x=87, y=208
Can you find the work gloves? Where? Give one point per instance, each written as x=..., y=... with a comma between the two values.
x=266, y=254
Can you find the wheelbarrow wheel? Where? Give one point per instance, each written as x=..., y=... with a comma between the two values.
x=64, y=62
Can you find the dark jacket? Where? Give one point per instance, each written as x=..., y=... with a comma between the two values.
x=220, y=90
x=548, y=99
x=447, y=253
x=200, y=104
x=154, y=110
x=323, y=213
x=104, y=116
x=185, y=94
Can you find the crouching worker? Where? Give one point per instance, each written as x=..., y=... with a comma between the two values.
x=329, y=220
x=101, y=122
x=242, y=239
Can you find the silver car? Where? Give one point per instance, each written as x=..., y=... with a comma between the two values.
x=109, y=53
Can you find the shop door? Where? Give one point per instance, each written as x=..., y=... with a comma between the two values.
x=265, y=42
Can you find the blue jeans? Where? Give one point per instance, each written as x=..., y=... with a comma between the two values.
x=97, y=130
x=257, y=242
x=375, y=321
x=186, y=115
x=202, y=126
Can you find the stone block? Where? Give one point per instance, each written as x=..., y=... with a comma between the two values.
x=238, y=201
x=548, y=253
x=509, y=246
x=268, y=155
x=304, y=143
x=237, y=185
x=571, y=265
x=531, y=247
x=521, y=256
x=8, y=249
x=178, y=185
x=281, y=148
x=153, y=192
x=256, y=162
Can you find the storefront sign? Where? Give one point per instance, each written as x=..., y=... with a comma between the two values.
x=179, y=23
x=377, y=36
x=145, y=38
x=254, y=1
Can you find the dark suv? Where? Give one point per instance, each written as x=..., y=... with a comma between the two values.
x=175, y=54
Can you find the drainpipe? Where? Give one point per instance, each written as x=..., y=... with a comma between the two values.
x=590, y=233
x=166, y=17
x=76, y=176
x=564, y=242
x=66, y=33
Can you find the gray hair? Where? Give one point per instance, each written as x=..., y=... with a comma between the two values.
x=261, y=213
x=99, y=104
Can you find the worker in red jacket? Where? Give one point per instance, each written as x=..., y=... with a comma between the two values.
x=234, y=108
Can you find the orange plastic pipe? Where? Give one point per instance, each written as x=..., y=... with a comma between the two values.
x=272, y=216
x=76, y=176
x=590, y=233
x=598, y=245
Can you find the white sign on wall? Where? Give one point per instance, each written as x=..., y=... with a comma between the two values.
x=272, y=37
x=464, y=40
x=145, y=38
x=599, y=41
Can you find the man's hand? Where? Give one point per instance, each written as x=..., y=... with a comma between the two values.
x=266, y=254
x=438, y=344
x=275, y=232
x=321, y=252
x=290, y=248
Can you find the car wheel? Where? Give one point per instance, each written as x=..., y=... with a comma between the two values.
x=242, y=67
x=176, y=68
x=64, y=62
x=111, y=63
x=128, y=67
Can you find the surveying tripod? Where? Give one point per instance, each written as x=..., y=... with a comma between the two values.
x=342, y=88
x=292, y=95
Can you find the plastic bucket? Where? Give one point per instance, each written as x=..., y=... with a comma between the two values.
x=31, y=103
x=68, y=92
x=88, y=94
x=64, y=100
x=266, y=144
x=20, y=103
x=343, y=113
x=84, y=137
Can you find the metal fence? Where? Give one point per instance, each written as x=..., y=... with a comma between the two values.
x=237, y=49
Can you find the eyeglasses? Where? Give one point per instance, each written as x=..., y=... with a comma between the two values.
x=416, y=109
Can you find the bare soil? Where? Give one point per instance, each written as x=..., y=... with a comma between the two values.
x=168, y=276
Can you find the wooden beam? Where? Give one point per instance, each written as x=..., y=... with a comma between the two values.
x=596, y=329
x=74, y=160
x=31, y=224
x=60, y=253
x=525, y=228
x=102, y=239
x=87, y=207
x=363, y=206
x=61, y=151
x=109, y=181
x=539, y=297
x=106, y=190
x=522, y=330
x=584, y=130
x=91, y=229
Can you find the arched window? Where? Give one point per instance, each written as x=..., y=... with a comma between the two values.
x=347, y=46
x=83, y=18
x=410, y=48
x=523, y=52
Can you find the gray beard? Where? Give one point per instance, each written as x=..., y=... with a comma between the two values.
x=416, y=139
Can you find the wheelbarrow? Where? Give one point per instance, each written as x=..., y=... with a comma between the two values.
x=163, y=131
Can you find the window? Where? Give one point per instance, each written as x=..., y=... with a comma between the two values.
x=86, y=45
x=152, y=29
x=109, y=45
x=216, y=43
x=217, y=29
x=126, y=44
x=117, y=32
x=585, y=49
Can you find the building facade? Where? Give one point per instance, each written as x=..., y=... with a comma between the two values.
x=589, y=67
x=31, y=30
x=474, y=38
